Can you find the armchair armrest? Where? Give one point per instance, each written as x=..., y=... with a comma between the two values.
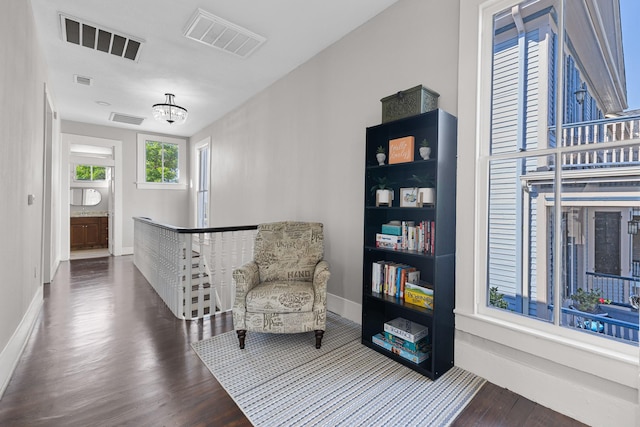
x=246, y=277
x=320, y=278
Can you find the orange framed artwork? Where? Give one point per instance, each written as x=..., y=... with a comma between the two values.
x=401, y=150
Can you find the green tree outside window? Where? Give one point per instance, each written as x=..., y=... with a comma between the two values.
x=161, y=163
x=90, y=173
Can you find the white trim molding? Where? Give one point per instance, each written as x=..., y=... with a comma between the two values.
x=345, y=308
x=13, y=350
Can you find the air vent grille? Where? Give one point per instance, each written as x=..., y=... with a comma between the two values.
x=92, y=36
x=124, y=118
x=214, y=31
x=82, y=80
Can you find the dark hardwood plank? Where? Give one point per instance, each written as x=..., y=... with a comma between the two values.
x=106, y=351
x=497, y=406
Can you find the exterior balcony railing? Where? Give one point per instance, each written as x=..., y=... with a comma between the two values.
x=617, y=289
x=592, y=133
x=618, y=318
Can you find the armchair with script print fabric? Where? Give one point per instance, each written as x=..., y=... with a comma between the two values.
x=284, y=288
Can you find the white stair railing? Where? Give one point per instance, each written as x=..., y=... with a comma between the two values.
x=190, y=269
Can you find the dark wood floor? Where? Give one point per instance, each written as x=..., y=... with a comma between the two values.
x=107, y=352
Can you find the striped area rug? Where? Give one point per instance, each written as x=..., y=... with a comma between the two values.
x=283, y=380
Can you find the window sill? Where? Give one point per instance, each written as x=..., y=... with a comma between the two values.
x=159, y=186
x=559, y=346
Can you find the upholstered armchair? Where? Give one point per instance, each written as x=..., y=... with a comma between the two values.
x=284, y=288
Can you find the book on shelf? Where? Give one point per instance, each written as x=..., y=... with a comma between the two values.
x=422, y=345
x=420, y=237
x=406, y=329
x=392, y=229
x=418, y=295
x=389, y=278
x=413, y=356
x=388, y=241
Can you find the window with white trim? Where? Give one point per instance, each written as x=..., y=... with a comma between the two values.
x=161, y=162
x=559, y=197
x=202, y=192
x=90, y=173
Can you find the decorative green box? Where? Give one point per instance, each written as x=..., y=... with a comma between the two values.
x=407, y=103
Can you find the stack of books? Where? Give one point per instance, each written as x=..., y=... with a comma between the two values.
x=406, y=339
x=408, y=236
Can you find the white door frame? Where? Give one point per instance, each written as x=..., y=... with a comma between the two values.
x=46, y=268
x=115, y=210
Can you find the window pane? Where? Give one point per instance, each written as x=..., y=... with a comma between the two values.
x=99, y=173
x=519, y=59
x=170, y=162
x=153, y=161
x=83, y=173
x=600, y=204
x=518, y=246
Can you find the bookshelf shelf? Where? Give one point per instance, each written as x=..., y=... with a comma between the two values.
x=437, y=267
x=399, y=302
x=405, y=252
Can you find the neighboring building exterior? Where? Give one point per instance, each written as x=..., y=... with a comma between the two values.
x=599, y=186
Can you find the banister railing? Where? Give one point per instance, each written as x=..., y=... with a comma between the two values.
x=190, y=268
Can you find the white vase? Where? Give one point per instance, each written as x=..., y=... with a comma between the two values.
x=384, y=197
x=381, y=157
x=425, y=152
x=426, y=196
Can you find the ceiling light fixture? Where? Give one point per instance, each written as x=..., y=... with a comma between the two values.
x=169, y=111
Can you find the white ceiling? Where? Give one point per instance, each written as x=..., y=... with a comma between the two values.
x=206, y=81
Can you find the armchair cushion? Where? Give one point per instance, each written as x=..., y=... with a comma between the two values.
x=280, y=297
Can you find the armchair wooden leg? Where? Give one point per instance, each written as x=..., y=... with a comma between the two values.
x=241, y=335
x=319, y=335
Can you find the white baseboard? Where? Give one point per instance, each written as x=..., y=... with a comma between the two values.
x=345, y=308
x=128, y=250
x=13, y=350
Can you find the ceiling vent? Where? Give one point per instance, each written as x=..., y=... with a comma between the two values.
x=94, y=37
x=214, y=31
x=124, y=118
x=82, y=80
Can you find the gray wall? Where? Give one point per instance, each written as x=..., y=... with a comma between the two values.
x=21, y=163
x=296, y=150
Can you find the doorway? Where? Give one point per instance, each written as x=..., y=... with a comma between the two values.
x=96, y=153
